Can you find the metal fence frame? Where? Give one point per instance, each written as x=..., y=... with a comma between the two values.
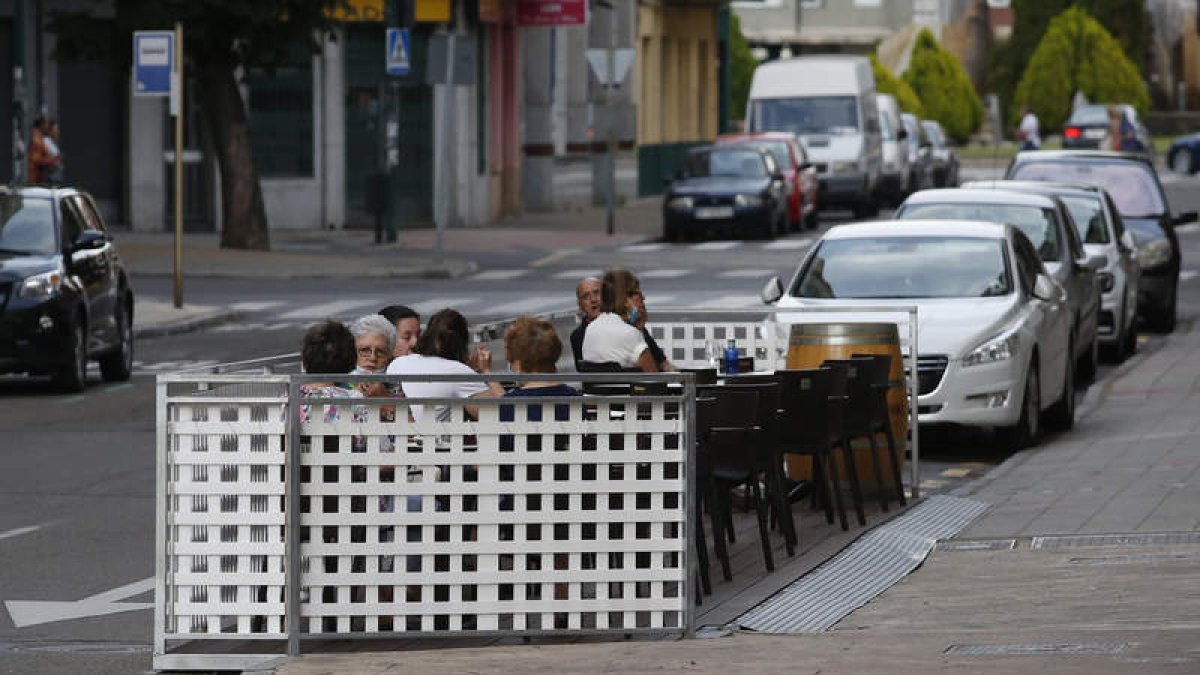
x=258, y=389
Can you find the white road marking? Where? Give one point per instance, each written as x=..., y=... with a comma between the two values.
x=434, y=304
x=745, y=274
x=257, y=305
x=716, y=245
x=1187, y=275
x=788, y=244
x=330, y=309
x=33, y=612
x=21, y=530
x=498, y=275
x=531, y=305
x=661, y=300
x=663, y=274
x=642, y=248
x=577, y=274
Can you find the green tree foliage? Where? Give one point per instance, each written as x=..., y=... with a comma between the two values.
x=1128, y=20
x=945, y=91
x=887, y=83
x=741, y=68
x=1077, y=54
x=221, y=39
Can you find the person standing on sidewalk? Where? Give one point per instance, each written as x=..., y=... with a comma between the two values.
x=1028, y=130
x=39, y=162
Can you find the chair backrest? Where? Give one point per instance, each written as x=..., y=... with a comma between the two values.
x=733, y=408
x=728, y=447
x=705, y=407
x=877, y=369
x=804, y=408
x=600, y=367
x=703, y=375
x=766, y=412
x=856, y=414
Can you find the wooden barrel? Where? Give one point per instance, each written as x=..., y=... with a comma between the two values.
x=810, y=344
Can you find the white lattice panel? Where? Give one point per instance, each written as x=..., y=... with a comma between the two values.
x=571, y=523
x=689, y=344
x=223, y=516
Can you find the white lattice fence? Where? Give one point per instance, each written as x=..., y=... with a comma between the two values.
x=690, y=343
x=571, y=521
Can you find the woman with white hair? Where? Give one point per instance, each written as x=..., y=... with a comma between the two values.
x=374, y=342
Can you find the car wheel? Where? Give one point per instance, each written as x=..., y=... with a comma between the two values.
x=1061, y=415
x=1181, y=161
x=1163, y=321
x=117, y=366
x=1130, y=345
x=72, y=377
x=1026, y=430
x=1090, y=362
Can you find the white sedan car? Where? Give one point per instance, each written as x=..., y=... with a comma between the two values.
x=994, y=327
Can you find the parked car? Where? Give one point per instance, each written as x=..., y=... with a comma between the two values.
x=1048, y=224
x=894, y=178
x=1088, y=125
x=64, y=292
x=920, y=160
x=798, y=172
x=994, y=327
x=944, y=161
x=1131, y=181
x=1103, y=233
x=828, y=100
x=1184, y=154
x=729, y=189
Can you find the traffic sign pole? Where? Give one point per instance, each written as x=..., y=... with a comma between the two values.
x=177, y=110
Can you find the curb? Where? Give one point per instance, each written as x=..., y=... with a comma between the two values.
x=430, y=272
x=187, y=325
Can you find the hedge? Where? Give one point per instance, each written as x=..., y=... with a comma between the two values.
x=1077, y=54
x=945, y=91
x=887, y=83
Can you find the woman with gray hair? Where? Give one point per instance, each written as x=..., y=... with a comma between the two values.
x=374, y=342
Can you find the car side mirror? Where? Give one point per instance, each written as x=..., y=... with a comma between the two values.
x=1096, y=262
x=89, y=239
x=1046, y=289
x=1127, y=241
x=773, y=291
x=1184, y=218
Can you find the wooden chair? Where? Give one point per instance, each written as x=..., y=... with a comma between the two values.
x=855, y=396
x=877, y=370
x=810, y=425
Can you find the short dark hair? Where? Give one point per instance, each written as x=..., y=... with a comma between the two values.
x=533, y=341
x=395, y=313
x=445, y=336
x=328, y=347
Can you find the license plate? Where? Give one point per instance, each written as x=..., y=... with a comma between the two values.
x=1093, y=133
x=712, y=212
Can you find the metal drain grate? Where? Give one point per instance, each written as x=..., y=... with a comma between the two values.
x=1033, y=649
x=1086, y=540
x=955, y=545
x=880, y=558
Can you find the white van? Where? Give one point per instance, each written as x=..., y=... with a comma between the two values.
x=893, y=179
x=829, y=102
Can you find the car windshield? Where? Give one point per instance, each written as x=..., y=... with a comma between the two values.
x=1089, y=218
x=1131, y=185
x=934, y=134
x=1089, y=114
x=1037, y=223
x=778, y=149
x=26, y=226
x=808, y=115
x=733, y=162
x=906, y=267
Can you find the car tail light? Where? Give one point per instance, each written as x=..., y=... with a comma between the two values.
x=1071, y=132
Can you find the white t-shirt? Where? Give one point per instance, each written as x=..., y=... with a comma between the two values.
x=418, y=364
x=1029, y=126
x=609, y=338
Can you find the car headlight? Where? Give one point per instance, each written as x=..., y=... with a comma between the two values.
x=743, y=201
x=996, y=349
x=1107, y=281
x=680, y=203
x=1154, y=254
x=40, y=286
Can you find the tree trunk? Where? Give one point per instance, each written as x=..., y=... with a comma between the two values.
x=243, y=215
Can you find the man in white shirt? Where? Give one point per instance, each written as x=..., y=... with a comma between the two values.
x=1028, y=131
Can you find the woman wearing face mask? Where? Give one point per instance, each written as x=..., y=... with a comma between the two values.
x=616, y=336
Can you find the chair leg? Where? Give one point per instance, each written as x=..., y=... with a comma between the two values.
x=760, y=505
x=896, y=461
x=717, y=518
x=835, y=488
x=727, y=523
x=782, y=505
x=880, y=483
x=702, y=549
x=855, y=487
x=821, y=487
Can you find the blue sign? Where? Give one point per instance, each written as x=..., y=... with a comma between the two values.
x=398, y=61
x=153, y=61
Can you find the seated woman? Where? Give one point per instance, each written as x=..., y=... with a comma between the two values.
x=616, y=335
x=532, y=346
x=408, y=327
x=328, y=348
x=374, y=343
x=442, y=350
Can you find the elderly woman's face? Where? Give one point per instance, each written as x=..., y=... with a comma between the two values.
x=372, y=351
x=407, y=332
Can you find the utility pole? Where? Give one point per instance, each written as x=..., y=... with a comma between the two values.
x=610, y=191
x=20, y=108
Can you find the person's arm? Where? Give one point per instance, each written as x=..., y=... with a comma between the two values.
x=646, y=362
x=481, y=362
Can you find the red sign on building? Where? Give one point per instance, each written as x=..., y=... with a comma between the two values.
x=552, y=12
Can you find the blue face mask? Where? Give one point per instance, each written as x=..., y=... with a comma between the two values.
x=634, y=315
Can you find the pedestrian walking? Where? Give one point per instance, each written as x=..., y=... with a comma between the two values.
x=1028, y=130
x=39, y=162
x=51, y=141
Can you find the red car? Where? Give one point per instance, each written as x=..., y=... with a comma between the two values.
x=798, y=172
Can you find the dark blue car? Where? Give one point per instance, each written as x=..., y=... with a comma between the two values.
x=1184, y=154
x=728, y=189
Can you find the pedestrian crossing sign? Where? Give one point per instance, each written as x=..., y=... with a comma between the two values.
x=398, y=61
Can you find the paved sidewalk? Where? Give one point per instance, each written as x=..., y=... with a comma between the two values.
x=1115, y=605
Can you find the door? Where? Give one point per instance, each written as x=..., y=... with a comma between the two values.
x=92, y=113
x=199, y=178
